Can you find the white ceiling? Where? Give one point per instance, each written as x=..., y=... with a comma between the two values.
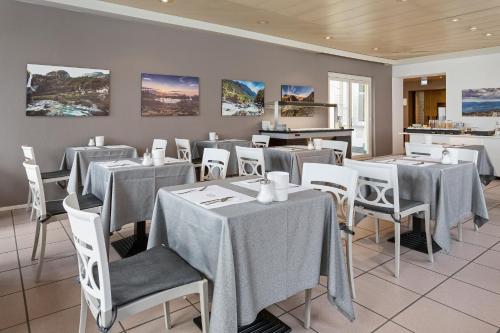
x=377, y=30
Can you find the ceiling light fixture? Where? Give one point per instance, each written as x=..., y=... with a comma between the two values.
x=488, y=34
x=165, y=1
x=473, y=28
x=263, y=22
x=328, y=37
x=375, y=49
x=456, y=19
x=423, y=81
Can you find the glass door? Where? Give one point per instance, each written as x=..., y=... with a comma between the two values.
x=352, y=94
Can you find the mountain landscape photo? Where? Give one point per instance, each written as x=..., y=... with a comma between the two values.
x=242, y=98
x=291, y=93
x=484, y=102
x=170, y=95
x=57, y=91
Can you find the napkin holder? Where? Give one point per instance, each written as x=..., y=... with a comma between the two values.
x=280, y=182
x=158, y=157
x=318, y=144
x=99, y=141
x=212, y=136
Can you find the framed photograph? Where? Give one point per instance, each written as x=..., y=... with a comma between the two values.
x=57, y=91
x=170, y=95
x=242, y=98
x=291, y=93
x=483, y=102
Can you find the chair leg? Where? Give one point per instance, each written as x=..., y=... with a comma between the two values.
x=83, y=314
x=428, y=235
x=35, y=243
x=204, y=305
x=397, y=245
x=460, y=231
x=42, y=252
x=476, y=228
x=410, y=222
x=377, y=230
x=166, y=310
x=307, y=314
x=350, y=270
x=28, y=204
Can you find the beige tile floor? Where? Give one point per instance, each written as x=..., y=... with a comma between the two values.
x=459, y=292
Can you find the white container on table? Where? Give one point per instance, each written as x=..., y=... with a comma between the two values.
x=158, y=157
x=280, y=181
x=99, y=141
x=212, y=136
x=318, y=143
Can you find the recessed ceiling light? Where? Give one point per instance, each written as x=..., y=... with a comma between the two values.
x=402, y=0
x=328, y=37
x=263, y=22
x=456, y=19
x=488, y=34
x=473, y=28
x=375, y=49
x=165, y=1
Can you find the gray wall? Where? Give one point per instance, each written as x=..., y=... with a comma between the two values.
x=42, y=35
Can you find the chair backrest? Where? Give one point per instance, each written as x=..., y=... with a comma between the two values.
x=423, y=149
x=36, y=188
x=91, y=251
x=29, y=154
x=260, y=141
x=183, y=149
x=159, y=144
x=339, y=148
x=337, y=180
x=250, y=161
x=214, y=164
x=468, y=155
x=377, y=183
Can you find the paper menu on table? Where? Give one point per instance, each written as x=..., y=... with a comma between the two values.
x=86, y=148
x=407, y=162
x=117, y=146
x=169, y=160
x=119, y=164
x=213, y=196
x=254, y=185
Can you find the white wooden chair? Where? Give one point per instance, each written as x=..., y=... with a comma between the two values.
x=341, y=183
x=260, y=141
x=159, y=144
x=114, y=291
x=214, y=164
x=423, y=149
x=339, y=148
x=250, y=161
x=374, y=198
x=47, y=177
x=466, y=155
x=48, y=211
x=184, y=151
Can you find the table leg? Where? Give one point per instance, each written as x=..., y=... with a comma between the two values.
x=134, y=244
x=265, y=322
x=415, y=239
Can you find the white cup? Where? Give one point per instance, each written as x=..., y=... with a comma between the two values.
x=158, y=157
x=212, y=136
x=318, y=144
x=280, y=181
x=99, y=141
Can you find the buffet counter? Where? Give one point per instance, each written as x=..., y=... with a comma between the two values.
x=490, y=143
x=299, y=136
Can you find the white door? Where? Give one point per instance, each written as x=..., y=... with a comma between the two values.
x=352, y=94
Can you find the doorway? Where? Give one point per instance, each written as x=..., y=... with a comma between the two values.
x=352, y=94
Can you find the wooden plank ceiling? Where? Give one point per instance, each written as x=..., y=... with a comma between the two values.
x=393, y=29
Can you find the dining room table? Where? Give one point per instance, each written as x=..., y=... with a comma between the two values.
x=128, y=190
x=484, y=166
x=198, y=146
x=254, y=254
x=78, y=159
x=291, y=159
x=453, y=191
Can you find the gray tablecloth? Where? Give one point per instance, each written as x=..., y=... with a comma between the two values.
x=255, y=254
x=232, y=168
x=128, y=193
x=454, y=192
x=484, y=165
x=78, y=159
x=280, y=159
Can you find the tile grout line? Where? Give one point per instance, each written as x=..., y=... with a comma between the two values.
x=21, y=276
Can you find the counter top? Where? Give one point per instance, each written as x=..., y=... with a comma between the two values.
x=306, y=130
x=456, y=135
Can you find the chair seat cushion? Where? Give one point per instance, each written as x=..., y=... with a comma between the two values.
x=403, y=205
x=87, y=201
x=147, y=273
x=55, y=174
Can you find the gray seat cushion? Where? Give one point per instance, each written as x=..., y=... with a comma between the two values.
x=147, y=273
x=403, y=205
x=87, y=201
x=55, y=174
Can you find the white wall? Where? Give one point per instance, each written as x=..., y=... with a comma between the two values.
x=467, y=72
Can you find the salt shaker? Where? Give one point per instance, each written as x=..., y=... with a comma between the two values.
x=266, y=194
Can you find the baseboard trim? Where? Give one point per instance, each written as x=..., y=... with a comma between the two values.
x=6, y=208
